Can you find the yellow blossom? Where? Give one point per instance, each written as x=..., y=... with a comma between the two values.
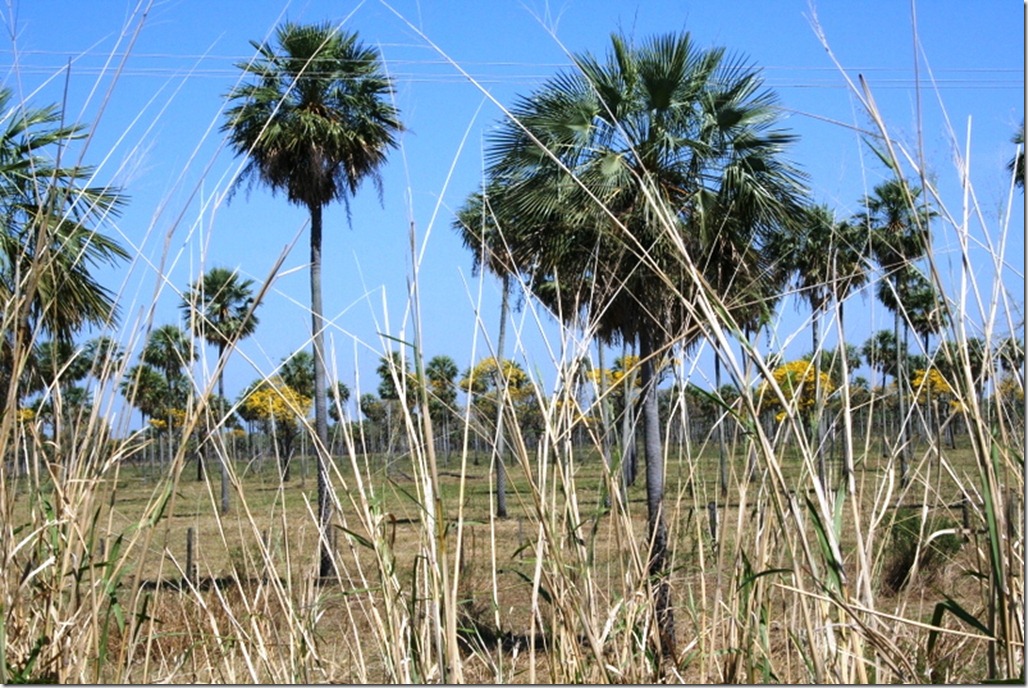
x=798, y=381
x=930, y=383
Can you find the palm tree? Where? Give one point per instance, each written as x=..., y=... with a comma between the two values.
x=145, y=388
x=315, y=122
x=338, y=398
x=479, y=229
x=50, y=242
x=824, y=258
x=881, y=352
x=441, y=377
x=1016, y=165
x=613, y=185
x=898, y=231
x=220, y=309
x=297, y=371
x=170, y=350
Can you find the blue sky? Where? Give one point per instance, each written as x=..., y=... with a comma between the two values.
x=153, y=88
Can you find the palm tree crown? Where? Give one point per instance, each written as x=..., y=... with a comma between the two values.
x=610, y=181
x=219, y=306
x=316, y=121
x=220, y=303
x=49, y=241
x=170, y=350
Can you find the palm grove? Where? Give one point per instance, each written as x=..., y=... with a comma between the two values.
x=626, y=195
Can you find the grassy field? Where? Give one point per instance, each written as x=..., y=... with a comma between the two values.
x=519, y=582
x=119, y=567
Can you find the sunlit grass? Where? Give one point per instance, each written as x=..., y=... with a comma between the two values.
x=782, y=578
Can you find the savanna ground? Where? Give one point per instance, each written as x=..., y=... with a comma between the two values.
x=870, y=576
x=253, y=578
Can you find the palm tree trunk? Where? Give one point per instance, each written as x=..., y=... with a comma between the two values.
x=847, y=448
x=608, y=459
x=654, y=455
x=751, y=461
x=901, y=410
x=320, y=410
x=629, y=466
x=501, y=388
x=223, y=459
x=817, y=436
x=722, y=453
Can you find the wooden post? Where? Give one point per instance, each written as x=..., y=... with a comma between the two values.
x=712, y=514
x=521, y=538
x=190, y=556
x=965, y=518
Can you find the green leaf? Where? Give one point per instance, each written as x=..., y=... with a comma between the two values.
x=767, y=572
x=359, y=538
x=543, y=592
x=886, y=160
x=834, y=566
x=952, y=606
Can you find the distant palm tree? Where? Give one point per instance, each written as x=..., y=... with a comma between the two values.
x=338, y=397
x=170, y=350
x=441, y=378
x=824, y=258
x=896, y=220
x=297, y=371
x=145, y=388
x=614, y=184
x=220, y=306
x=315, y=122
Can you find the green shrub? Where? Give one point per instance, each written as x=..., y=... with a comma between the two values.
x=908, y=542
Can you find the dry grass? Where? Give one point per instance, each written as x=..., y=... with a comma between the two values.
x=430, y=587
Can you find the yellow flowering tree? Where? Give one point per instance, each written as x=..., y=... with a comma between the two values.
x=930, y=384
x=798, y=381
x=281, y=412
x=480, y=384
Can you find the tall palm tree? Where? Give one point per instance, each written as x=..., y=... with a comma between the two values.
x=825, y=259
x=625, y=189
x=314, y=122
x=50, y=238
x=479, y=229
x=220, y=310
x=896, y=220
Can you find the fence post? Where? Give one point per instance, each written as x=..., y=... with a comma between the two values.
x=965, y=519
x=190, y=556
x=712, y=514
x=521, y=538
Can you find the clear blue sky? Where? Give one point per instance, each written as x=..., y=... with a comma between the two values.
x=153, y=88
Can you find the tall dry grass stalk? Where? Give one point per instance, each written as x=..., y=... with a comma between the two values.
x=429, y=586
